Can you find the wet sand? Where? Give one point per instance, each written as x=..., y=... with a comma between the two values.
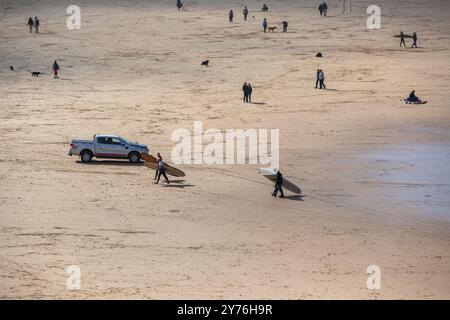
x=374, y=171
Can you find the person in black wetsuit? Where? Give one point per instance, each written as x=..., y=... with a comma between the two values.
x=162, y=169
x=278, y=185
x=414, y=37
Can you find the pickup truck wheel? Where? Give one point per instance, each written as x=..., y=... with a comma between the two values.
x=134, y=157
x=86, y=156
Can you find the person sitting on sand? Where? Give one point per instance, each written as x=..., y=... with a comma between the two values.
x=412, y=98
x=30, y=24
x=55, y=69
x=278, y=185
x=162, y=169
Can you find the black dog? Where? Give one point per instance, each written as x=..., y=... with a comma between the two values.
x=205, y=63
x=35, y=73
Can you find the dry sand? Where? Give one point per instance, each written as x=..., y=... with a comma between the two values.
x=374, y=171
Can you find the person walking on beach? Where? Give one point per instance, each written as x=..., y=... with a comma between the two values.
x=414, y=37
x=230, y=16
x=55, y=69
x=162, y=169
x=324, y=9
x=402, y=39
x=30, y=24
x=245, y=88
x=249, y=95
x=36, y=24
x=322, y=79
x=278, y=185
x=245, y=13
x=264, y=24
x=317, y=78
x=179, y=4
x=321, y=9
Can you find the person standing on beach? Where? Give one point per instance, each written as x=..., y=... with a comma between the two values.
x=36, y=24
x=414, y=37
x=55, y=69
x=317, y=78
x=30, y=24
x=264, y=24
x=230, y=16
x=249, y=95
x=402, y=39
x=325, y=9
x=321, y=9
x=278, y=185
x=246, y=90
x=245, y=12
x=285, y=26
x=179, y=4
x=322, y=79
x=162, y=169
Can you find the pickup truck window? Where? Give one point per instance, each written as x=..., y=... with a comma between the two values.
x=116, y=141
x=101, y=140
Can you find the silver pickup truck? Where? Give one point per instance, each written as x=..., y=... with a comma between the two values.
x=107, y=146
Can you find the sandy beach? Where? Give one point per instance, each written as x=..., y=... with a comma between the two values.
x=374, y=171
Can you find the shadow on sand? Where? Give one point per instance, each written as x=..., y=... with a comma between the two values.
x=296, y=197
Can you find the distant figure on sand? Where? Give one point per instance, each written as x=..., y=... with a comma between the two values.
x=278, y=185
x=30, y=24
x=264, y=24
x=230, y=16
x=265, y=8
x=245, y=13
x=317, y=78
x=321, y=77
x=246, y=90
x=179, y=4
x=324, y=9
x=402, y=39
x=321, y=9
x=414, y=37
x=55, y=69
x=36, y=24
x=162, y=169
x=250, y=90
x=285, y=26
x=412, y=98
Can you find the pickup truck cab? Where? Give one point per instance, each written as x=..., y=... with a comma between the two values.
x=109, y=147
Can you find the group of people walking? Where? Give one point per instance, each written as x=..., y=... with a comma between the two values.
x=247, y=88
x=34, y=24
x=323, y=9
x=320, y=79
x=244, y=12
x=413, y=37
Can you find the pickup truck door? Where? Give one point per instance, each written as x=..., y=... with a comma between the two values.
x=110, y=147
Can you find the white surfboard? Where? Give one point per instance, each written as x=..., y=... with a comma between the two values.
x=271, y=174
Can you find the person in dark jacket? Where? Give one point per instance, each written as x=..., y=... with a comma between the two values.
x=55, y=69
x=402, y=39
x=245, y=12
x=230, y=16
x=179, y=4
x=249, y=95
x=36, y=24
x=414, y=37
x=285, y=26
x=246, y=90
x=264, y=24
x=30, y=24
x=278, y=185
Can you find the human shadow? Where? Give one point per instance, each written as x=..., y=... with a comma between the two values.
x=259, y=103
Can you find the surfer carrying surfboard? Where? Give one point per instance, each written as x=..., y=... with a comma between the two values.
x=278, y=183
x=162, y=169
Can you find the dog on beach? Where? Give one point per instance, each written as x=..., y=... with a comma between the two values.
x=272, y=29
x=205, y=63
x=35, y=73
